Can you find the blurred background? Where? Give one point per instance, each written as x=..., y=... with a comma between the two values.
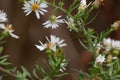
x=30, y=30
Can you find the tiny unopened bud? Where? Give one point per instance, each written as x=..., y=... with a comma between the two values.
x=109, y=58
x=116, y=25
x=115, y=52
x=97, y=78
x=98, y=3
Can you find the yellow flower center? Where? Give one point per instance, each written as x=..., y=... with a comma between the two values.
x=9, y=27
x=35, y=6
x=48, y=45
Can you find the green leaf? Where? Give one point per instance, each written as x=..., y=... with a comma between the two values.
x=1, y=49
x=21, y=76
x=35, y=74
x=61, y=75
x=81, y=75
x=5, y=56
x=1, y=77
x=26, y=72
x=5, y=64
x=41, y=70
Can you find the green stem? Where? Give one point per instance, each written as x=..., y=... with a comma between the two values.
x=60, y=8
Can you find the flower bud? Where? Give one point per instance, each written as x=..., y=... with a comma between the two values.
x=109, y=58
x=98, y=3
x=115, y=52
x=106, y=52
x=116, y=25
x=97, y=78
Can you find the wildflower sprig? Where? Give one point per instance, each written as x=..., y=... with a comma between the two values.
x=106, y=65
x=56, y=60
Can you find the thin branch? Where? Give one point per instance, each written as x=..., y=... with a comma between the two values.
x=7, y=72
x=82, y=44
x=92, y=18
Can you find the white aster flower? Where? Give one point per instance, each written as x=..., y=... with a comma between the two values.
x=111, y=44
x=35, y=5
x=52, y=43
x=71, y=24
x=54, y=22
x=100, y=59
x=9, y=29
x=3, y=16
x=83, y=4
x=97, y=46
x=115, y=44
x=107, y=43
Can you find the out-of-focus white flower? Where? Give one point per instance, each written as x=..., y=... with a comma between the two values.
x=107, y=43
x=111, y=44
x=116, y=25
x=83, y=5
x=54, y=22
x=9, y=29
x=100, y=59
x=115, y=44
x=63, y=65
x=3, y=16
x=52, y=44
x=71, y=24
x=35, y=5
x=70, y=21
x=97, y=46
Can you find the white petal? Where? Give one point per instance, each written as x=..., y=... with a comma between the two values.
x=28, y=13
x=2, y=26
x=37, y=14
x=13, y=35
x=41, y=48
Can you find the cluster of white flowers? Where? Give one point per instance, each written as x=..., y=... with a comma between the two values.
x=39, y=6
x=111, y=44
x=52, y=43
x=7, y=28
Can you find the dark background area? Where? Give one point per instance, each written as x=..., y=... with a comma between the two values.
x=30, y=30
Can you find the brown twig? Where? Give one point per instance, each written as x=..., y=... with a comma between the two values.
x=7, y=72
